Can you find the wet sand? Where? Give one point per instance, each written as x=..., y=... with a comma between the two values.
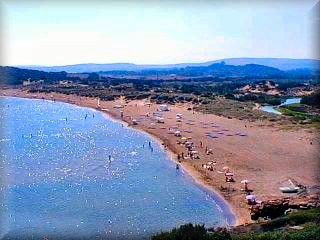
x=265, y=155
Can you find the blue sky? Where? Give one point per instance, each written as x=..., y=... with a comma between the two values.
x=153, y=32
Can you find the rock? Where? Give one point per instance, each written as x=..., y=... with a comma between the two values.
x=303, y=207
x=290, y=210
x=277, y=207
x=296, y=227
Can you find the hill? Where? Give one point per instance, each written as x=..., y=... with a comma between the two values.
x=12, y=75
x=15, y=76
x=280, y=63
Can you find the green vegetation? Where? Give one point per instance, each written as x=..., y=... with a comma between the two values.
x=295, y=218
x=310, y=231
x=192, y=232
x=313, y=100
x=258, y=98
x=300, y=112
x=282, y=228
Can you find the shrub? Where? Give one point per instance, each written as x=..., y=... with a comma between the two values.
x=192, y=232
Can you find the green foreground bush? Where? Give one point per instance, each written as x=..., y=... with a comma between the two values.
x=276, y=229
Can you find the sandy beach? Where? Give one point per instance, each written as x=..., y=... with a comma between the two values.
x=267, y=156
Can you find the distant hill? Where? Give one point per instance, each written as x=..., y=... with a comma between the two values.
x=14, y=76
x=220, y=70
x=280, y=63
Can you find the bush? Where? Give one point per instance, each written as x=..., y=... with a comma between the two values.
x=311, y=231
x=192, y=232
x=312, y=100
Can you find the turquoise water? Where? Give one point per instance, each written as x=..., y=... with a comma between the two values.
x=273, y=109
x=57, y=180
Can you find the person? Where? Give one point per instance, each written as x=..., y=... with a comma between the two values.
x=149, y=144
x=109, y=158
x=201, y=145
x=177, y=166
x=246, y=186
x=182, y=156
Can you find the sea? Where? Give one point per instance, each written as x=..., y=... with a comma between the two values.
x=70, y=172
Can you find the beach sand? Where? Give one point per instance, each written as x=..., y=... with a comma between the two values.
x=267, y=156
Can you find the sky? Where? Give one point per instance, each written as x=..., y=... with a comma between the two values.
x=153, y=32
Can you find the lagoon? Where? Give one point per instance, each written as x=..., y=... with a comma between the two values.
x=273, y=109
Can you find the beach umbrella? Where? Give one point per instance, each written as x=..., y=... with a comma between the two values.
x=183, y=138
x=229, y=174
x=189, y=137
x=225, y=168
x=177, y=132
x=245, y=181
x=251, y=197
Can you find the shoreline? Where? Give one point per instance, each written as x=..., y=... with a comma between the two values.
x=243, y=154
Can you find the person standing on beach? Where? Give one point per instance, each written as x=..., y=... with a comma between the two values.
x=246, y=186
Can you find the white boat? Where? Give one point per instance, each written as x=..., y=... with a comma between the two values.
x=289, y=189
